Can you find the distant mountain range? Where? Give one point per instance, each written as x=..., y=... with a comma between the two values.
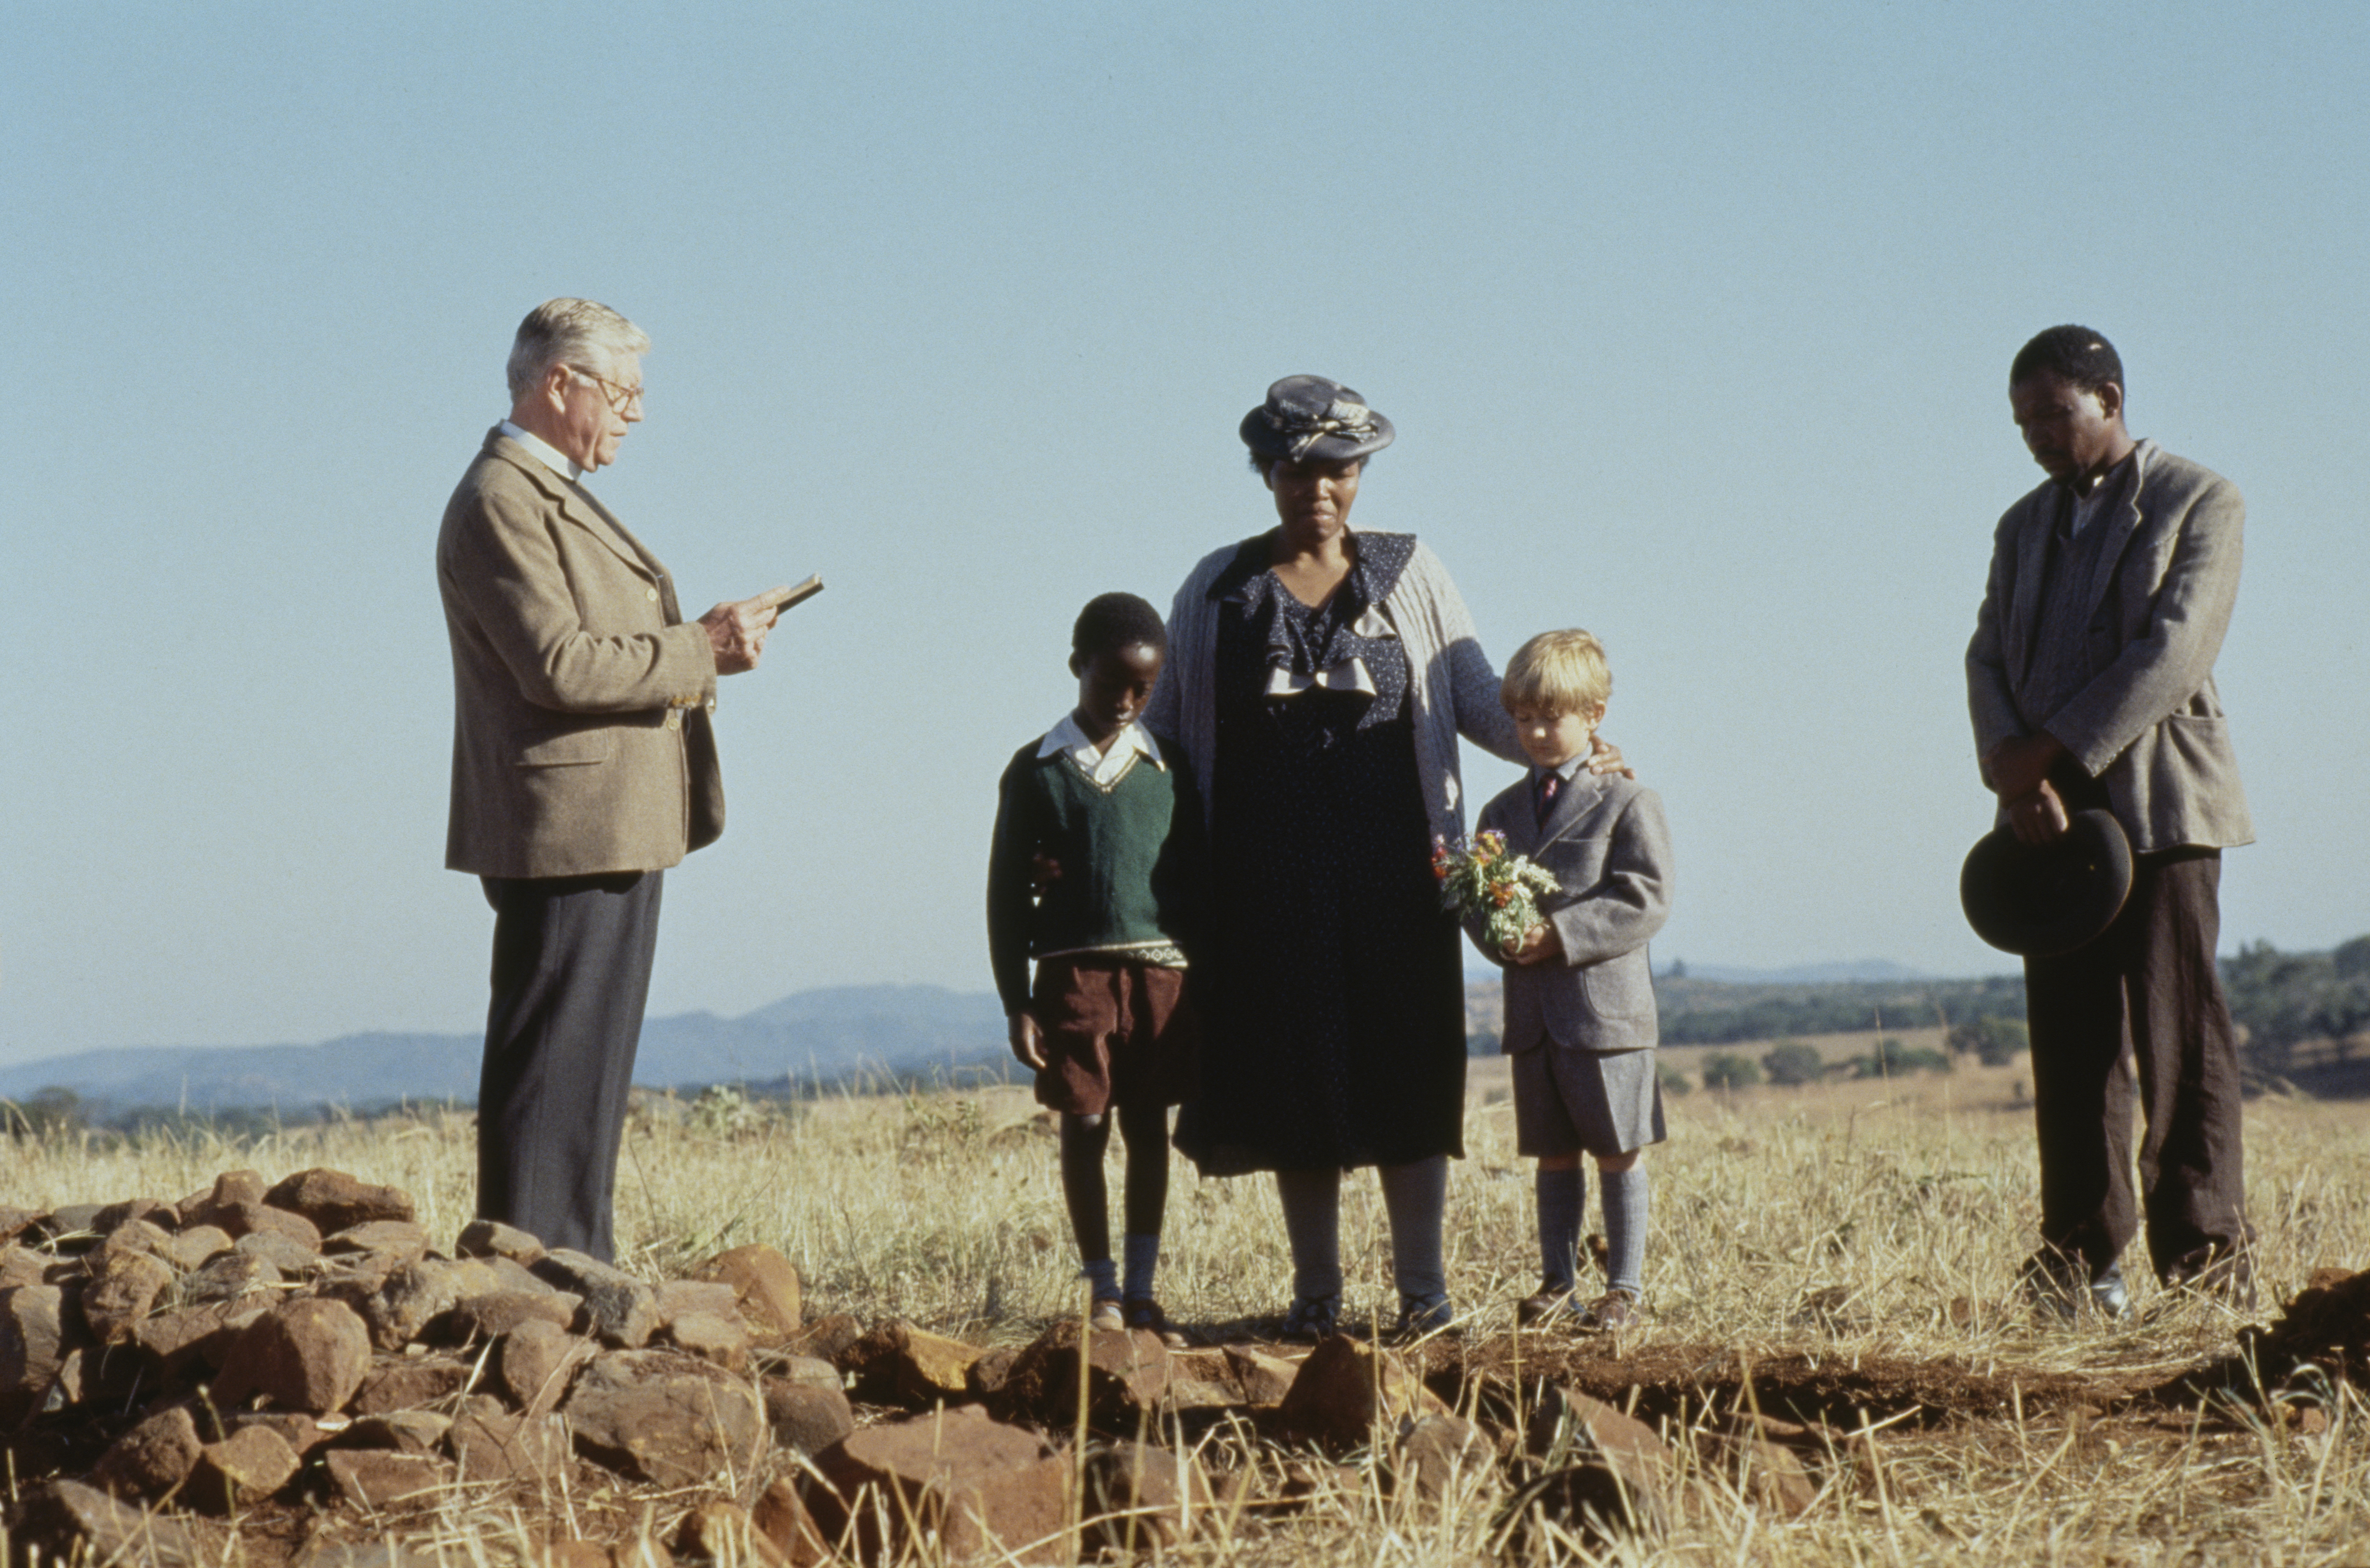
x=823, y=1035
x=820, y=1036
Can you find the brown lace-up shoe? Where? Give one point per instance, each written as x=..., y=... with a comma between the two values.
x=1550, y=1306
x=1609, y=1313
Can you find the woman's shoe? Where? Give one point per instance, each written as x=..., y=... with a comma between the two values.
x=1143, y=1312
x=1422, y=1316
x=1106, y=1316
x=1313, y=1318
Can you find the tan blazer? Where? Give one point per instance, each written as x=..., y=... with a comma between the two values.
x=581, y=733
x=2150, y=724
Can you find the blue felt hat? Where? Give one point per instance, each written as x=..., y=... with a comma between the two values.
x=1314, y=419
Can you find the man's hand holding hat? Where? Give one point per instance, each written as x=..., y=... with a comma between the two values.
x=2018, y=771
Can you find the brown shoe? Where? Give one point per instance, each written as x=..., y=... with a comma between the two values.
x=1105, y=1316
x=1143, y=1312
x=1609, y=1313
x=1550, y=1306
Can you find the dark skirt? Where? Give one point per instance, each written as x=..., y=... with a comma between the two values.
x=1334, y=1019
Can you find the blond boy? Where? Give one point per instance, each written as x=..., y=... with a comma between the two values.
x=1580, y=996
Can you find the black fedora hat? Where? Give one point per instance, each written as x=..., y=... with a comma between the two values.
x=1310, y=417
x=2039, y=899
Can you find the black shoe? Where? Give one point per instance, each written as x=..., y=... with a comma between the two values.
x=1422, y=1316
x=2224, y=1277
x=1313, y=1318
x=2058, y=1284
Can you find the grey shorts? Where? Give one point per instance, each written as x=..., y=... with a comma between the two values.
x=1600, y=1102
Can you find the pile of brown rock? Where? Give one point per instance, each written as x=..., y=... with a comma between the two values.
x=168, y=1370
x=259, y=1342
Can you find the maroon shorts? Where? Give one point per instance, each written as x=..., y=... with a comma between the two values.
x=1117, y=1033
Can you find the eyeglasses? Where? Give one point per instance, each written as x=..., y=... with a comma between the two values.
x=620, y=397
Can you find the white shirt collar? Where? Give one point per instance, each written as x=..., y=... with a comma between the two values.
x=543, y=451
x=1105, y=767
x=1567, y=771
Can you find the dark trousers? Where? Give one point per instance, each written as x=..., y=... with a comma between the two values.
x=2144, y=992
x=572, y=973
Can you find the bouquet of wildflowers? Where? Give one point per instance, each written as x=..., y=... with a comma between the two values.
x=1478, y=876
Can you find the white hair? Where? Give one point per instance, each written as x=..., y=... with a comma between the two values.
x=563, y=332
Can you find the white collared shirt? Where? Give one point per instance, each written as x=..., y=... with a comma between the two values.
x=1105, y=768
x=544, y=452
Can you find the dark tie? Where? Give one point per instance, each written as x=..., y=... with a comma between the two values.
x=1550, y=784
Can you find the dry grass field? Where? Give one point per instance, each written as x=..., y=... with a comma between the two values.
x=1847, y=1250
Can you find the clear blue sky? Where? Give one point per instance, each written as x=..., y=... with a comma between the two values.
x=1695, y=322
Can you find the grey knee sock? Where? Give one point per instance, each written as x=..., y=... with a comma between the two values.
x=1143, y=1257
x=1416, y=1194
x=1625, y=1227
x=1312, y=1222
x=1105, y=1275
x=1560, y=1194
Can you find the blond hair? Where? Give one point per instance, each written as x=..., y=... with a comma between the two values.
x=563, y=332
x=1557, y=672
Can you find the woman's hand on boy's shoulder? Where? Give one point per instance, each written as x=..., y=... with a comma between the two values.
x=1604, y=756
x=1027, y=1040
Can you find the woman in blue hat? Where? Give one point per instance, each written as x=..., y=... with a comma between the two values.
x=1319, y=678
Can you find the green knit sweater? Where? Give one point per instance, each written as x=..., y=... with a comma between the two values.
x=1132, y=856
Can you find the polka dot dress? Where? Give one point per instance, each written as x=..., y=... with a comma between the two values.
x=1336, y=1020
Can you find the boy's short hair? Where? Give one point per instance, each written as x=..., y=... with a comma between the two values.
x=1112, y=621
x=1557, y=672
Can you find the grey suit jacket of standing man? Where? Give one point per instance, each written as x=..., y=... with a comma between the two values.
x=583, y=764
x=2150, y=726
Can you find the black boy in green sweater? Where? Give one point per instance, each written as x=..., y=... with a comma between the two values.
x=1106, y=817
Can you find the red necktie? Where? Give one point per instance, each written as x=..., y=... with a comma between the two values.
x=1550, y=784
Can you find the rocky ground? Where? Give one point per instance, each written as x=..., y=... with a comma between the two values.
x=294, y=1372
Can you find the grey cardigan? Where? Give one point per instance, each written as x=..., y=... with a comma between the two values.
x=1452, y=688
x=2149, y=725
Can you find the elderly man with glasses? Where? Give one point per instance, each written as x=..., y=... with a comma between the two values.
x=584, y=763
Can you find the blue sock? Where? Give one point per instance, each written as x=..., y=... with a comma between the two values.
x=1561, y=1194
x=1143, y=1253
x=1105, y=1273
x=1625, y=1227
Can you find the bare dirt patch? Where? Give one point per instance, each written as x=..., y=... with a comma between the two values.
x=1682, y=1382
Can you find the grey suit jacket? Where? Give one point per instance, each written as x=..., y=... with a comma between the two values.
x=1605, y=843
x=581, y=735
x=2149, y=725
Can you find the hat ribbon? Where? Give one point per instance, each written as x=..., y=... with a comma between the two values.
x=1340, y=417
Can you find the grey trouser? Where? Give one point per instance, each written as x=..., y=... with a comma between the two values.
x=572, y=973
